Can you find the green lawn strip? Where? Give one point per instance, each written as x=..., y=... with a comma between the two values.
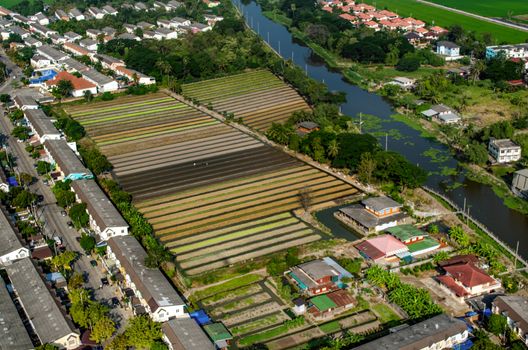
x=238, y=304
x=385, y=313
x=251, y=189
x=285, y=237
x=414, y=123
x=488, y=8
x=156, y=133
x=228, y=229
x=234, y=77
x=145, y=109
x=124, y=106
x=330, y=327
x=278, y=17
x=231, y=294
x=96, y=121
x=226, y=286
x=234, y=235
x=250, y=326
x=266, y=335
x=445, y=18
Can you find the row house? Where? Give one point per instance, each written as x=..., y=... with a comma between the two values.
x=89, y=44
x=96, y=12
x=41, y=125
x=135, y=76
x=40, y=18
x=80, y=85
x=76, y=15
x=41, y=30
x=13, y=334
x=66, y=161
x=72, y=36
x=11, y=249
x=515, y=309
x=61, y=15
x=76, y=49
x=103, y=82
x=109, y=10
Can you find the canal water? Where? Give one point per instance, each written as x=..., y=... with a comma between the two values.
x=445, y=176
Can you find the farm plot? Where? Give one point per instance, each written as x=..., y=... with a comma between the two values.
x=218, y=225
x=258, y=97
x=246, y=309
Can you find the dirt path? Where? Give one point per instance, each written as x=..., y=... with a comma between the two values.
x=482, y=18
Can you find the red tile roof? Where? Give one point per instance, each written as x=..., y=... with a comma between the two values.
x=348, y=17
x=450, y=283
x=468, y=274
x=78, y=83
x=341, y=298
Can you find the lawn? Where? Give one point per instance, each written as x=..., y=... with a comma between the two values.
x=385, y=313
x=330, y=327
x=447, y=18
x=229, y=285
x=11, y=3
x=488, y=8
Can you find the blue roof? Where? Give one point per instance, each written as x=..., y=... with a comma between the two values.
x=52, y=277
x=45, y=75
x=12, y=181
x=343, y=273
x=201, y=317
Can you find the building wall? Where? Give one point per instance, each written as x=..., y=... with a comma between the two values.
x=14, y=256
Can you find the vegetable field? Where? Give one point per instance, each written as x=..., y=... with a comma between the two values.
x=258, y=97
x=214, y=195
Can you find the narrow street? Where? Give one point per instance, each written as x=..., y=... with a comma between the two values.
x=54, y=224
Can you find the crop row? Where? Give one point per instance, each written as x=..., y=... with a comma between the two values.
x=97, y=113
x=121, y=101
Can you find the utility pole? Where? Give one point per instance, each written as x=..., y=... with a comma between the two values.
x=268, y=38
x=292, y=55
x=361, y=122
x=464, y=205
x=306, y=68
x=386, y=142
x=279, y=48
x=515, y=257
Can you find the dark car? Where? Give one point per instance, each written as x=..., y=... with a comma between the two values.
x=93, y=263
x=114, y=301
x=70, y=224
x=63, y=213
x=104, y=281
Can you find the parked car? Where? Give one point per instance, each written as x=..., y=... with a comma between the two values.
x=63, y=213
x=93, y=263
x=70, y=224
x=114, y=301
x=104, y=281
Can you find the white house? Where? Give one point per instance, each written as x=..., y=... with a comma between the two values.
x=72, y=36
x=11, y=249
x=103, y=82
x=157, y=295
x=89, y=44
x=95, y=12
x=515, y=309
x=76, y=15
x=504, y=150
x=449, y=50
x=40, y=18
x=403, y=82
x=442, y=114
x=41, y=125
x=105, y=220
x=109, y=10
x=178, y=22
x=25, y=102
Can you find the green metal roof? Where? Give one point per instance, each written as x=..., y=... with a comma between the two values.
x=426, y=243
x=405, y=232
x=217, y=332
x=323, y=302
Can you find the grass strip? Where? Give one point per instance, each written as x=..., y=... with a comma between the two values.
x=122, y=116
x=226, y=286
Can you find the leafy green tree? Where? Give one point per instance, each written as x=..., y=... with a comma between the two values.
x=440, y=256
x=496, y=324
x=279, y=133
x=476, y=153
x=458, y=235
x=366, y=167
x=63, y=262
x=47, y=347
x=408, y=63
x=24, y=199
x=119, y=342
x=20, y=132
x=63, y=89
x=43, y=167
x=142, y=332
x=87, y=243
x=78, y=215
x=95, y=160
x=102, y=330
x=76, y=281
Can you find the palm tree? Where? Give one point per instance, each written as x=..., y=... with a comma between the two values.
x=165, y=68
x=476, y=69
x=333, y=148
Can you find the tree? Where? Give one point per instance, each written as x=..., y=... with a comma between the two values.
x=25, y=179
x=63, y=89
x=496, y=324
x=76, y=281
x=47, y=347
x=142, y=332
x=408, y=63
x=476, y=153
x=279, y=133
x=333, y=148
x=476, y=69
x=20, y=132
x=118, y=343
x=87, y=243
x=78, y=215
x=24, y=199
x=88, y=96
x=458, y=235
x=43, y=167
x=440, y=256
x=366, y=167
x=102, y=329
x=63, y=261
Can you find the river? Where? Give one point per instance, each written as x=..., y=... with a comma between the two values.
x=431, y=155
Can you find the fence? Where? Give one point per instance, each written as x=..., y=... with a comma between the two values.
x=478, y=224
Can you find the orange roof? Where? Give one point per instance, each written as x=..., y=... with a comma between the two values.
x=468, y=274
x=371, y=24
x=364, y=16
x=388, y=13
x=348, y=17
x=438, y=29
x=421, y=30
x=327, y=9
x=78, y=83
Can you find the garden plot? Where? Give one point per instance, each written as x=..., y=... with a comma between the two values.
x=258, y=97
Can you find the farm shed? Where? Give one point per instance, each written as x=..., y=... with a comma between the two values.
x=219, y=334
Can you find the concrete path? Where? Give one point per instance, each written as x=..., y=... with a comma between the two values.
x=482, y=18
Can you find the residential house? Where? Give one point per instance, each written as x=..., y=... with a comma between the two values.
x=76, y=15
x=449, y=50
x=48, y=319
x=80, y=85
x=158, y=5
x=148, y=34
x=89, y=44
x=417, y=241
x=52, y=54
x=72, y=65
x=61, y=15
x=164, y=23
x=134, y=76
x=128, y=36
x=403, y=82
x=41, y=125
x=76, y=49
x=96, y=12
x=4, y=182
x=93, y=33
x=103, y=82
x=442, y=114
x=185, y=334
x=219, y=334
x=20, y=19
x=140, y=6
x=372, y=25
x=178, y=22
x=109, y=62
x=13, y=333
x=515, y=309
x=130, y=28
x=57, y=39
x=11, y=249
x=109, y=31
x=306, y=127
x=145, y=25
x=520, y=183
x=20, y=31
x=72, y=36
x=373, y=214
x=383, y=248
x=25, y=102
x=39, y=61
x=173, y=4
x=465, y=280
x=509, y=51
x=328, y=305
x=504, y=150
x=317, y=276
x=105, y=220
x=213, y=19
x=438, y=332
x=5, y=12
x=159, y=298
x=200, y=27
x=41, y=30
x=109, y=10
x=165, y=33
x=438, y=30
x=66, y=161
x=40, y=18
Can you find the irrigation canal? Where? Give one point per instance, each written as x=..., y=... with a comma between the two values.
x=445, y=175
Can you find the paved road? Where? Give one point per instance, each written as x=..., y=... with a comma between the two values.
x=469, y=14
x=56, y=225
x=13, y=71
